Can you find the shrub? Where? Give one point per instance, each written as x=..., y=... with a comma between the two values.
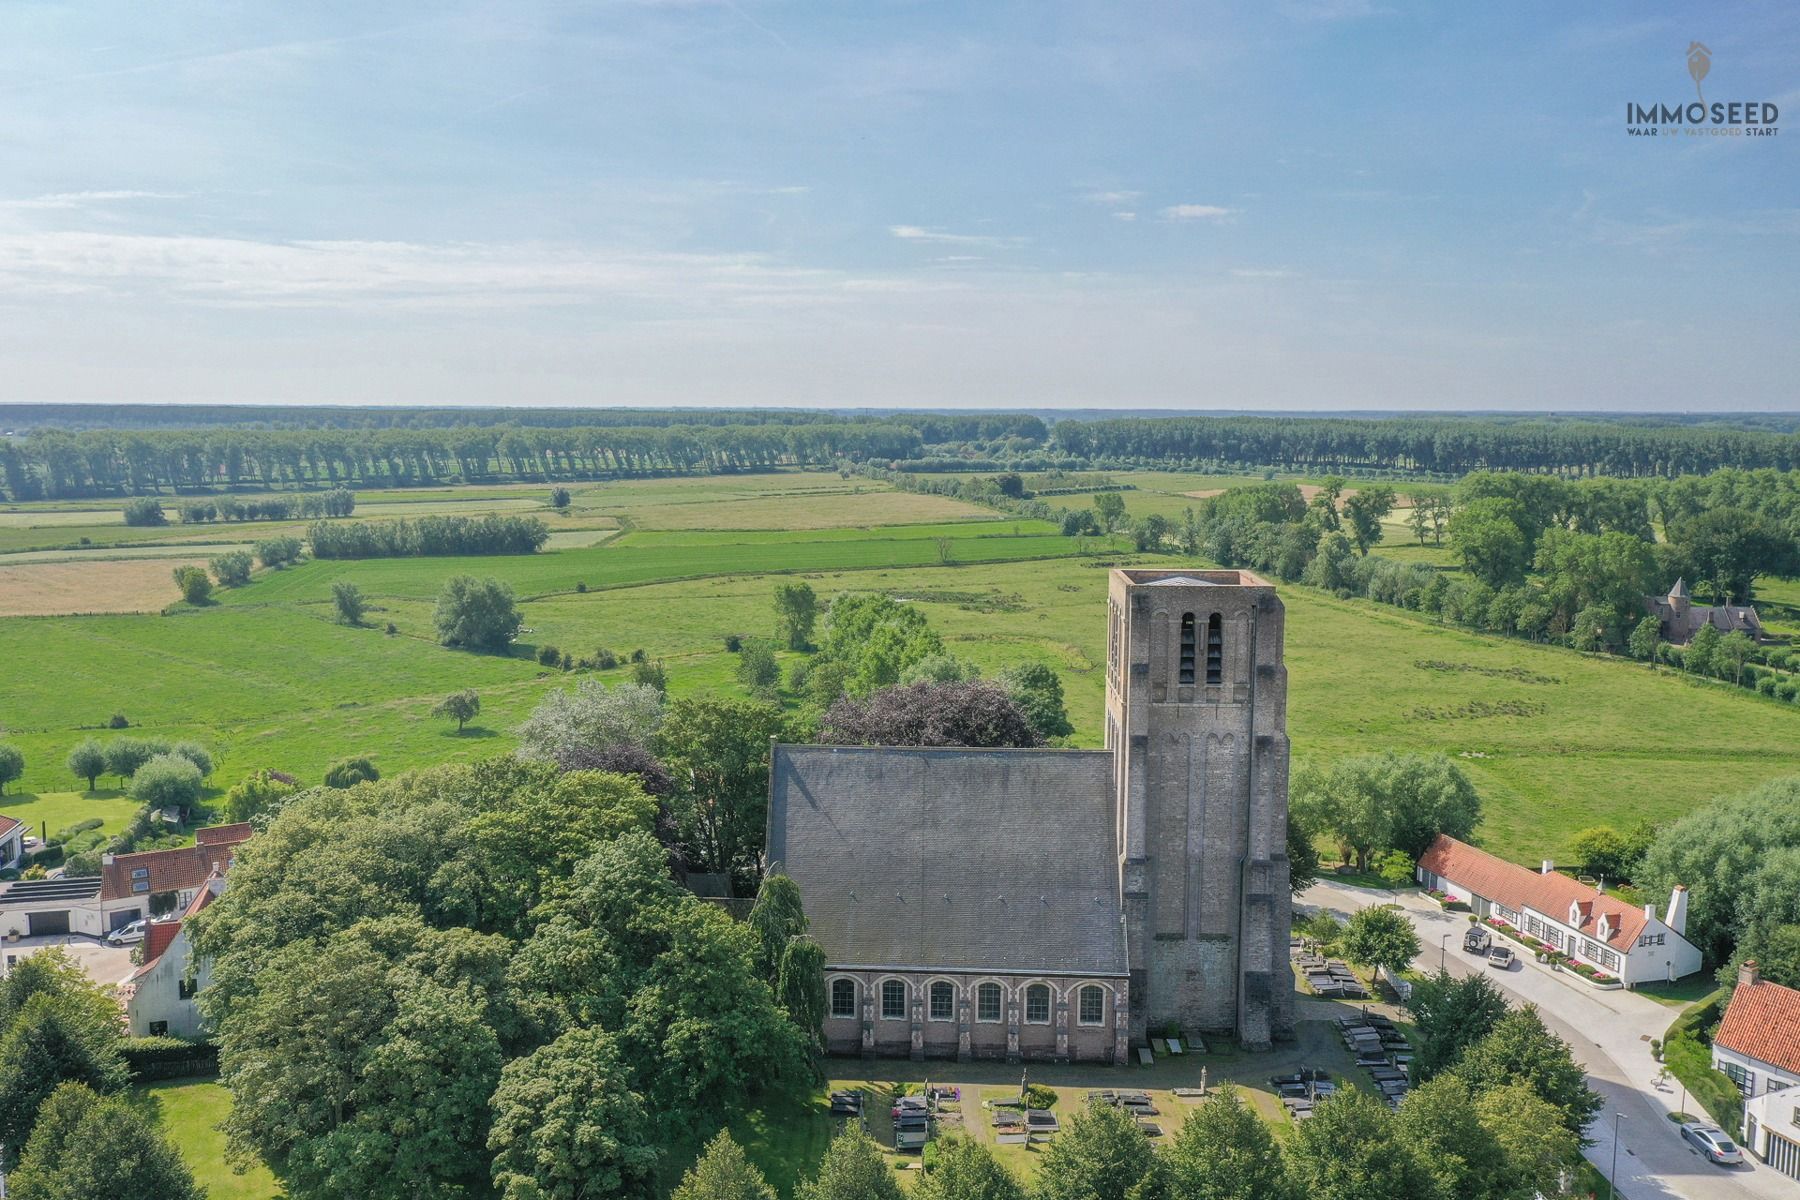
x=152, y=1058
x=549, y=656
x=478, y=614
x=348, y=599
x=278, y=551
x=733, y=643
x=651, y=674
x=438, y=536
x=12, y=765
x=118, y=721
x=145, y=510
x=605, y=660
x=348, y=772
x=194, y=584
x=580, y=586
x=232, y=569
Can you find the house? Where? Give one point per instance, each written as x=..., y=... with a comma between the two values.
x=1758, y=1048
x=129, y=886
x=1680, y=618
x=1583, y=922
x=159, y=996
x=12, y=843
x=1061, y=904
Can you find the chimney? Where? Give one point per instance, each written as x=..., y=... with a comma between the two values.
x=1600, y=887
x=1749, y=973
x=1677, y=918
x=106, y=860
x=1649, y=912
x=1549, y=868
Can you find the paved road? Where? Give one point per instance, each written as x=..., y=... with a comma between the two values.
x=1609, y=1033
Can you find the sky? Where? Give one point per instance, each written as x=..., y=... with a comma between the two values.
x=1292, y=204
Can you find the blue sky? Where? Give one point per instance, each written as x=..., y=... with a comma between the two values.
x=1308, y=205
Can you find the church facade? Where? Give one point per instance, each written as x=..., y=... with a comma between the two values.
x=1066, y=904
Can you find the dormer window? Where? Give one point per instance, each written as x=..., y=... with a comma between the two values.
x=1605, y=929
x=1575, y=915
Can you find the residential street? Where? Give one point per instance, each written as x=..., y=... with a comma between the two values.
x=1610, y=1034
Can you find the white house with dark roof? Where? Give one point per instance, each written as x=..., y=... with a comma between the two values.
x=1063, y=904
x=1589, y=925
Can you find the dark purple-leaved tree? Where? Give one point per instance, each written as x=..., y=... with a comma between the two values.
x=972, y=713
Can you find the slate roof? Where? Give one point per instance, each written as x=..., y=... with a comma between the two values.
x=171, y=870
x=1763, y=1022
x=1681, y=619
x=952, y=859
x=1520, y=887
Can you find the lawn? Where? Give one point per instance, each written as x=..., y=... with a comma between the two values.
x=189, y=1112
x=49, y=812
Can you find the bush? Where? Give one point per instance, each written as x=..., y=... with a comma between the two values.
x=152, y=1058
x=194, y=584
x=145, y=510
x=605, y=660
x=118, y=721
x=428, y=537
x=348, y=772
x=549, y=656
x=1039, y=1096
x=348, y=599
x=478, y=614
x=733, y=643
x=651, y=674
x=1687, y=1053
x=278, y=551
x=167, y=781
x=580, y=586
x=232, y=569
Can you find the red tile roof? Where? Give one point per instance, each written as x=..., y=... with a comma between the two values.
x=222, y=835
x=157, y=937
x=169, y=870
x=8, y=824
x=1763, y=1022
x=1520, y=887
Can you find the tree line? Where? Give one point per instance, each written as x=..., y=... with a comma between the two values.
x=429, y=536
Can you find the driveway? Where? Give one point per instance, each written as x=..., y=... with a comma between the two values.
x=1609, y=1033
x=103, y=963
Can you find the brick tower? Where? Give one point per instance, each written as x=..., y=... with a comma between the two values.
x=1196, y=718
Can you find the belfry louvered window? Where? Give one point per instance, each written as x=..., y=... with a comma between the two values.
x=1215, y=651
x=1187, y=649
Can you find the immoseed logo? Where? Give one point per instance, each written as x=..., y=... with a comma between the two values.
x=1729, y=118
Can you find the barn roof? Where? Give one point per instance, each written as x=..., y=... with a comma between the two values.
x=952, y=859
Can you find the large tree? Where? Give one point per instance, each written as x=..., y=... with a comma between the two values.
x=88, y=761
x=1521, y=1050
x=567, y=1126
x=167, y=781
x=723, y=1172
x=1489, y=537
x=12, y=765
x=57, y=1035
x=1440, y=1121
x=90, y=1147
x=1226, y=1152
x=1038, y=691
x=796, y=610
x=1387, y=801
x=717, y=750
x=852, y=1169
x=1381, y=936
x=967, y=1170
x=476, y=614
x=590, y=717
x=1353, y=1149
x=1100, y=1155
x=1450, y=1015
x=461, y=707
x=1364, y=512
x=777, y=916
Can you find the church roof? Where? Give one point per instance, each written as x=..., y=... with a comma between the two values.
x=952, y=859
x=1680, y=589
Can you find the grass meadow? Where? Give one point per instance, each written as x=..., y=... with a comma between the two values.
x=1555, y=740
x=189, y=1112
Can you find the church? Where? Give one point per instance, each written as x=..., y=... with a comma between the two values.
x=1065, y=905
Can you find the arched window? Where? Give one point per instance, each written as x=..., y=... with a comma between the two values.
x=1037, y=1004
x=987, y=1002
x=1215, y=650
x=1093, y=1005
x=943, y=1001
x=843, y=997
x=893, y=1000
x=1187, y=649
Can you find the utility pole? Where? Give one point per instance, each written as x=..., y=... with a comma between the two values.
x=1612, y=1178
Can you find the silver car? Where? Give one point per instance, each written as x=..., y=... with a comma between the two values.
x=128, y=935
x=1712, y=1144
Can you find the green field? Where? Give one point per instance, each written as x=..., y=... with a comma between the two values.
x=1555, y=740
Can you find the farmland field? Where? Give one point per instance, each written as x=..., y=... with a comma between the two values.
x=1555, y=740
x=98, y=586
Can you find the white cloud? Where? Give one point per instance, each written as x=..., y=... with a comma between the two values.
x=1111, y=198
x=1125, y=215
x=1194, y=212
x=84, y=199
x=918, y=233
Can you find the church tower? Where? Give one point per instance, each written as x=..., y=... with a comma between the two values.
x=1196, y=718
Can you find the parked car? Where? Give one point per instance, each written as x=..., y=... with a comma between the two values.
x=1477, y=940
x=1501, y=958
x=1712, y=1144
x=128, y=935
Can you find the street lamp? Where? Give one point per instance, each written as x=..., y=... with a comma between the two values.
x=1612, y=1179
x=1443, y=951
